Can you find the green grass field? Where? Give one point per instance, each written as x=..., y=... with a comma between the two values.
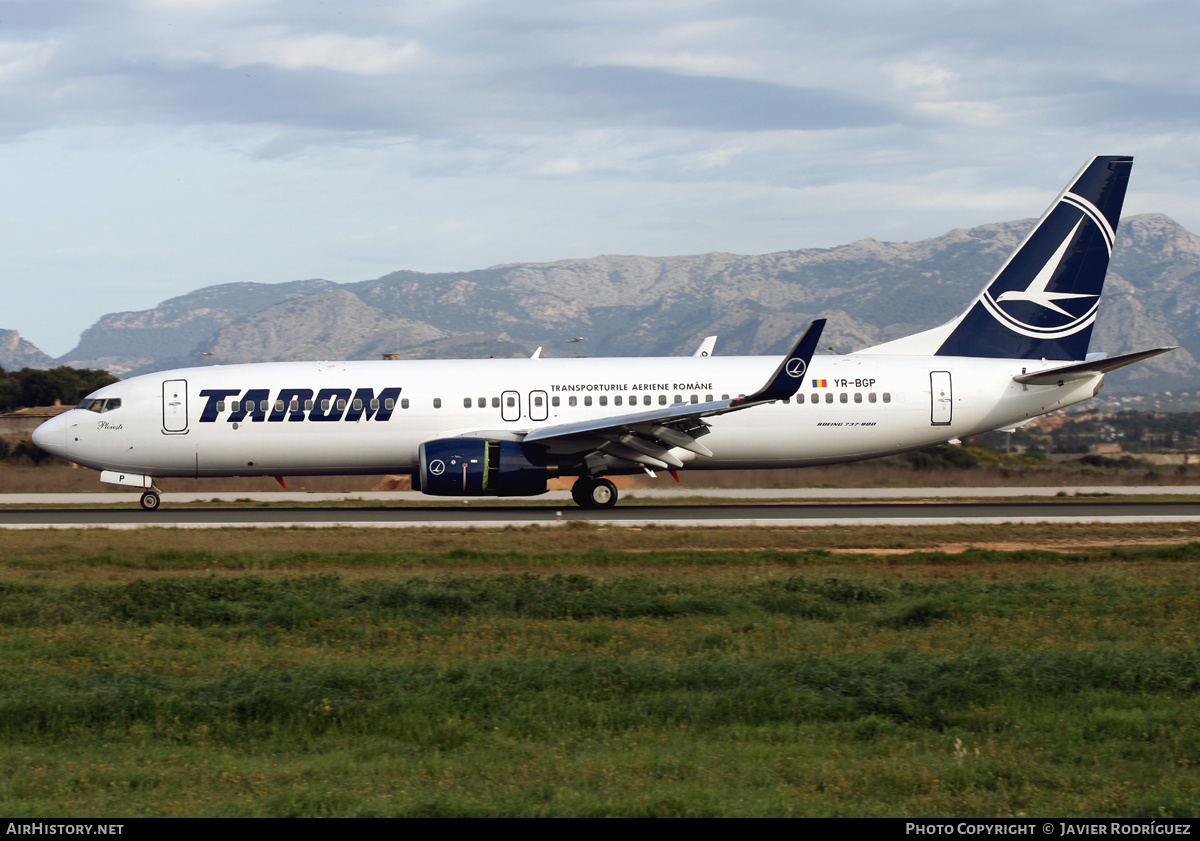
x=581, y=671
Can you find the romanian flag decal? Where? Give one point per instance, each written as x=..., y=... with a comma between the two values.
x=819, y=383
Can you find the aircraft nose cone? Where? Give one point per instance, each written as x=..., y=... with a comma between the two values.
x=52, y=436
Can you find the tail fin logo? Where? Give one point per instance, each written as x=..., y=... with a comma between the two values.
x=1048, y=306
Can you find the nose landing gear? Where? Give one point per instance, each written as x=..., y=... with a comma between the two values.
x=152, y=494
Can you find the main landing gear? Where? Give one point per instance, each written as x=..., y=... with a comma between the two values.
x=151, y=501
x=594, y=493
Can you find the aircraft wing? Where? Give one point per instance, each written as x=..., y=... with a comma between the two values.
x=1081, y=370
x=646, y=437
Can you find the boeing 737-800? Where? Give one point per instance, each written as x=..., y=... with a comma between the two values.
x=504, y=427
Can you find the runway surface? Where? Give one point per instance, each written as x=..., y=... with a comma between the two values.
x=486, y=514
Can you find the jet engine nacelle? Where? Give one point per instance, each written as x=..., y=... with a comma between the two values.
x=480, y=467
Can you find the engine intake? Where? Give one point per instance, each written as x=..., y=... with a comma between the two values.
x=481, y=467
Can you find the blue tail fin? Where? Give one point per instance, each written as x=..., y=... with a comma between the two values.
x=1043, y=301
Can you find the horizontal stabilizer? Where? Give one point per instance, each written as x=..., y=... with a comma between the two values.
x=1083, y=370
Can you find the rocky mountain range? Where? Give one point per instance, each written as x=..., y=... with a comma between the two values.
x=16, y=353
x=870, y=292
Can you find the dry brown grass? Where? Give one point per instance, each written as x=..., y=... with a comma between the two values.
x=61, y=478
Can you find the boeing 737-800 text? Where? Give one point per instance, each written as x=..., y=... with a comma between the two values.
x=504, y=427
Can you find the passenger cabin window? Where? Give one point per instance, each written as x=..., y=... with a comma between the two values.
x=799, y=398
x=495, y=402
x=572, y=400
x=308, y=405
x=843, y=397
x=603, y=399
x=374, y=404
x=617, y=400
x=390, y=404
x=871, y=397
x=466, y=402
x=554, y=401
x=829, y=397
x=437, y=402
x=587, y=400
x=887, y=397
x=403, y=403
x=662, y=399
x=857, y=398
x=695, y=398
x=342, y=404
x=357, y=404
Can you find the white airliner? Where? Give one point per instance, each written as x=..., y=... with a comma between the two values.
x=503, y=427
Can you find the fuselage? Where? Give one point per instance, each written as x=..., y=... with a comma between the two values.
x=301, y=418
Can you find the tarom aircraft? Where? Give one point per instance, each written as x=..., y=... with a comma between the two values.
x=504, y=427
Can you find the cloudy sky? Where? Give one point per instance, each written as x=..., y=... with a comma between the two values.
x=151, y=147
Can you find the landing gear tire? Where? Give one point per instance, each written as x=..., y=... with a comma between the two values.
x=594, y=493
x=603, y=494
x=579, y=491
x=150, y=501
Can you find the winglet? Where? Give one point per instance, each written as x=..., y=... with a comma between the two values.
x=789, y=376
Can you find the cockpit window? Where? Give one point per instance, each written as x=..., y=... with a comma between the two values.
x=100, y=405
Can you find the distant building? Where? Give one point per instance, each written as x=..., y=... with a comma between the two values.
x=18, y=426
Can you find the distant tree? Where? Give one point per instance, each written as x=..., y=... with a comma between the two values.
x=32, y=387
x=25, y=450
x=943, y=457
x=9, y=392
